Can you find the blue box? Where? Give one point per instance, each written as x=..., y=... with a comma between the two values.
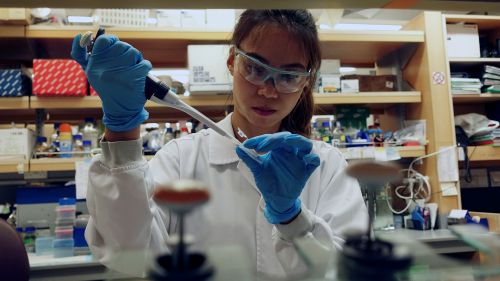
x=13, y=83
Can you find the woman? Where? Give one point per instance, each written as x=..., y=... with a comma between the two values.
x=297, y=188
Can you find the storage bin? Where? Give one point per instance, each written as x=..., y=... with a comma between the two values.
x=58, y=77
x=14, y=83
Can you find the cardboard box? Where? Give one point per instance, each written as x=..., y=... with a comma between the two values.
x=58, y=78
x=16, y=143
x=207, y=69
x=15, y=16
x=168, y=18
x=462, y=40
x=193, y=19
x=374, y=83
x=14, y=83
x=221, y=18
x=349, y=86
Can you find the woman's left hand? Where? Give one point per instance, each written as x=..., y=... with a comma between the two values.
x=282, y=173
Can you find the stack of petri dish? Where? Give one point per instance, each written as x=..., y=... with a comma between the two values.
x=64, y=244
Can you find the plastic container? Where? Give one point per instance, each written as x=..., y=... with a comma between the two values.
x=64, y=232
x=77, y=145
x=79, y=237
x=65, y=140
x=87, y=148
x=43, y=245
x=63, y=247
x=90, y=133
x=65, y=212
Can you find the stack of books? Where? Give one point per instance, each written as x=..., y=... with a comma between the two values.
x=465, y=86
x=491, y=79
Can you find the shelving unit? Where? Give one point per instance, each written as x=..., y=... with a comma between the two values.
x=479, y=156
x=168, y=48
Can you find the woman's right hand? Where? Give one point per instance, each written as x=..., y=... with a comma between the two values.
x=117, y=72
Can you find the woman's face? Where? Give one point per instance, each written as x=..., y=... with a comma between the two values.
x=259, y=109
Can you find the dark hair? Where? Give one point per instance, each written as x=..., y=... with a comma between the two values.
x=301, y=25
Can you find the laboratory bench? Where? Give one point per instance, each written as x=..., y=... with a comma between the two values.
x=76, y=268
x=85, y=267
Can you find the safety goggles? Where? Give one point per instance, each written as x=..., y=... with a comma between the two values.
x=257, y=73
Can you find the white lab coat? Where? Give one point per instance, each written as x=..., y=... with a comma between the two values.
x=124, y=216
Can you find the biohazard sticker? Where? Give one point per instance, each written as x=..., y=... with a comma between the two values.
x=438, y=77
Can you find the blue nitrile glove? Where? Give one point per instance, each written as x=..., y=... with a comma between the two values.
x=117, y=72
x=283, y=173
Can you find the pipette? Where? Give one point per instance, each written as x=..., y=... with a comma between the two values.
x=159, y=92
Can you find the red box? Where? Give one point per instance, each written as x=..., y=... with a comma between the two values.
x=92, y=92
x=58, y=77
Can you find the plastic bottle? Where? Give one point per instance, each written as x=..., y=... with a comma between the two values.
x=87, y=148
x=184, y=132
x=41, y=147
x=169, y=135
x=29, y=239
x=153, y=137
x=65, y=140
x=315, y=135
x=326, y=134
x=77, y=145
x=90, y=132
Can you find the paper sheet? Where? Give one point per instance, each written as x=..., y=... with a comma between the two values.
x=82, y=177
x=447, y=165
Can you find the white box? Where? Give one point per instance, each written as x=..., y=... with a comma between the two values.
x=349, y=86
x=16, y=142
x=221, y=18
x=330, y=83
x=330, y=66
x=208, y=70
x=462, y=40
x=193, y=18
x=168, y=18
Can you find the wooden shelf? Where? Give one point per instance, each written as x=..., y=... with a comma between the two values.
x=484, y=22
x=213, y=100
x=404, y=151
x=475, y=98
x=167, y=47
x=13, y=165
x=368, y=98
x=68, y=164
x=483, y=153
x=53, y=164
x=474, y=61
x=95, y=102
x=65, y=102
x=14, y=103
x=12, y=31
x=69, y=32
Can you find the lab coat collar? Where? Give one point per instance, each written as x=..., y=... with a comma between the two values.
x=221, y=150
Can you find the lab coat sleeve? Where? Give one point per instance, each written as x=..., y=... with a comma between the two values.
x=123, y=215
x=330, y=208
